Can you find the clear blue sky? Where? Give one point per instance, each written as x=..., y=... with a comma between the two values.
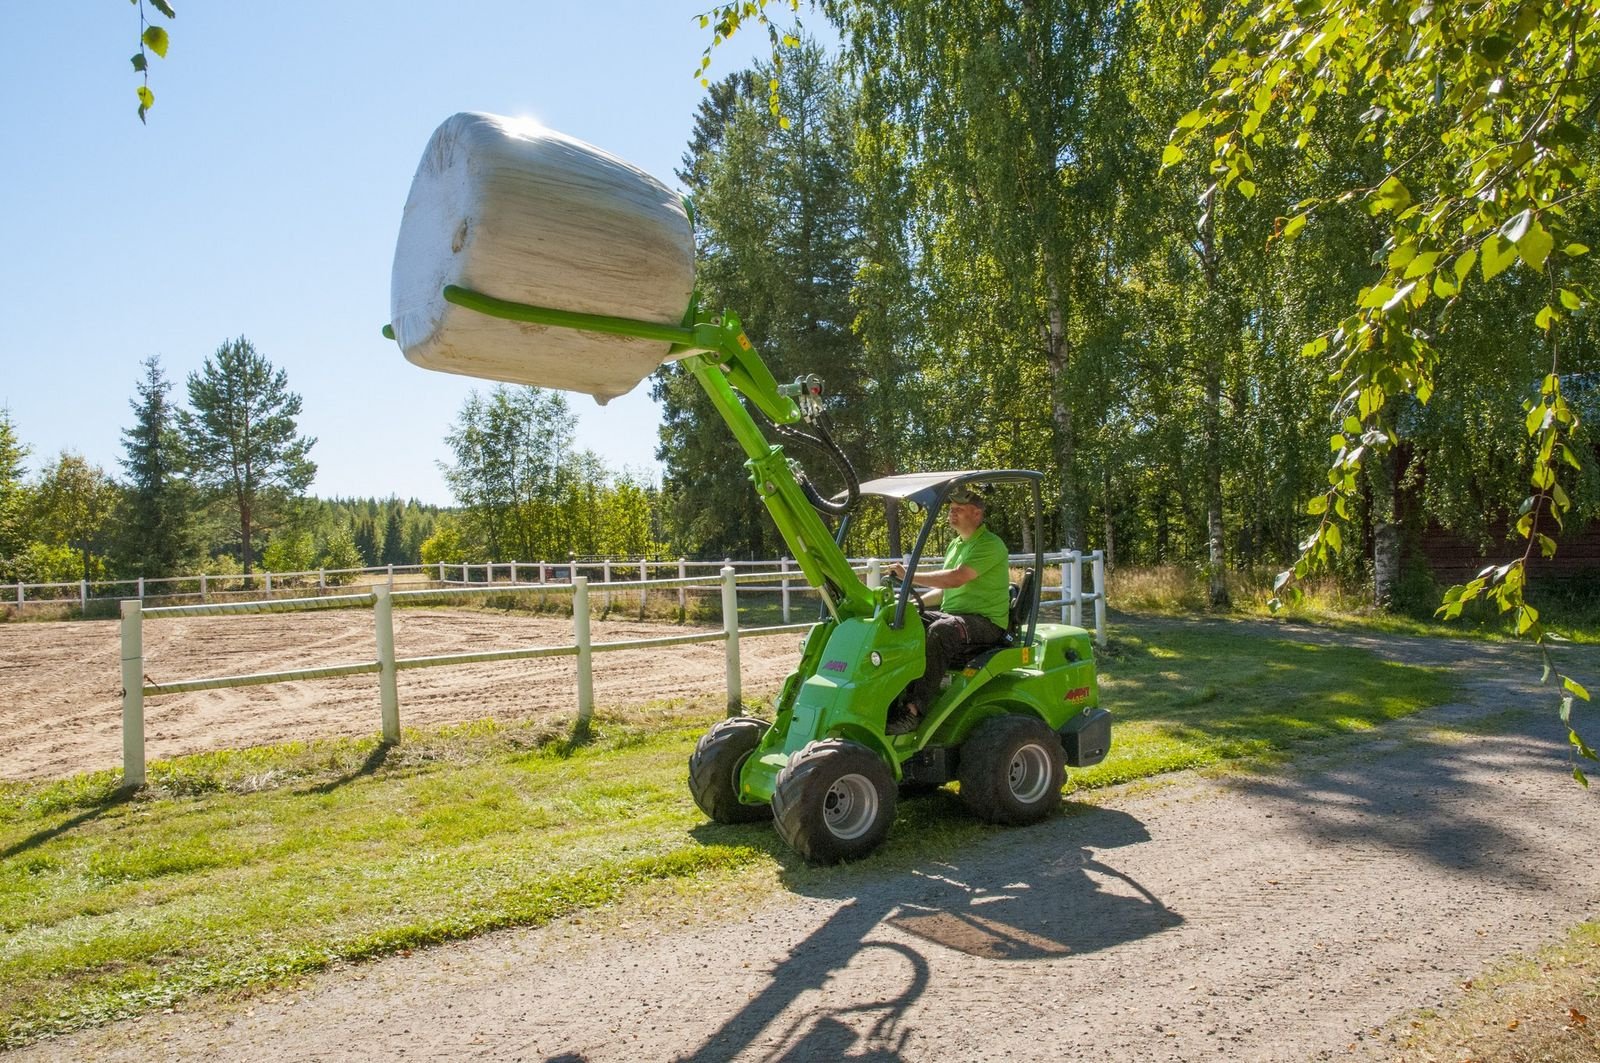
x=264, y=197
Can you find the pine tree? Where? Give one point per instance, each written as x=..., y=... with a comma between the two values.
x=242, y=439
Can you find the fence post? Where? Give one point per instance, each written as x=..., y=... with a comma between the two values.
x=1076, y=598
x=580, y=624
x=391, y=575
x=141, y=590
x=132, y=695
x=644, y=577
x=1066, y=583
x=322, y=579
x=783, y=566
x=388, y=691
x=83, y=596
x=202, y=588
x=513, y=572
x=730, y=628
x=683, y=592
x=19, y=596
x=441, y=572
x=1100, y=597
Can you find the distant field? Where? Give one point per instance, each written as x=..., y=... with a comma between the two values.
x=60, y=683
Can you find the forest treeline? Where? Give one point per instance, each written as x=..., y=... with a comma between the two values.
x=1026, y=235
x=219, y=485
x=970, y=234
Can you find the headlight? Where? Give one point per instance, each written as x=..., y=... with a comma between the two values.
x=876, y=658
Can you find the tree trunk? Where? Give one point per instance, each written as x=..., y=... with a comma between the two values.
x=1211, y=416
x=245, y=552
x=1385, y=530
x=1216, y=555
x=1057, y=360
x=891, y=510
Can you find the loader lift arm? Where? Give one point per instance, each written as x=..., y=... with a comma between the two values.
x=721, y=357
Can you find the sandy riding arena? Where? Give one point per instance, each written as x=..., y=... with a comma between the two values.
x=60, y=683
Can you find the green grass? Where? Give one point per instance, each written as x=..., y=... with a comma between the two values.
x=1543, y=1007
x=1189, y=699
x=1570, y=609
x=242, y=869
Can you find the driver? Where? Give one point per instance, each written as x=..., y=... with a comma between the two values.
x=976, y=603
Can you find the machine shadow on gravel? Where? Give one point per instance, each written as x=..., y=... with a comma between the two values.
x=1424, y=803
x=1036, y=893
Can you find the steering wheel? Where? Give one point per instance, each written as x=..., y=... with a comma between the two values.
x=894, y=582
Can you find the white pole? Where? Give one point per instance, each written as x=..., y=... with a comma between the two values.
x=874, y=575
x=513, y=572
x=83, y=596
x=141, y=590
x=580, y=624
x=488, y=573
x=1066, y=593
x=202, y=588
x=388, y=691
x=19, y=596
x=441, y=572
x=132, y=695
x=1075, y=596
x=322, y=579
x=391, y=575
x=683, y=592
x=544, y=572
x=730, y=627
x=644, y=577
x=605, y=570
x=269, y=582
x=783, y=566
x=1100, y=597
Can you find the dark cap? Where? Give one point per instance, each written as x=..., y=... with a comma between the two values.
x=971, y=495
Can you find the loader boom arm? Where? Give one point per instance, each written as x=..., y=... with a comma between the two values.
x=721, y=357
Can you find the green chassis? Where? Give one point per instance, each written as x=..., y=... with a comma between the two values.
x=858, y=660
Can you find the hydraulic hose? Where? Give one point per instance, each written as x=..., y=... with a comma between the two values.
x=824, y=442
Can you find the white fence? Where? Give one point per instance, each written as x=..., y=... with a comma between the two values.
x=136, y=687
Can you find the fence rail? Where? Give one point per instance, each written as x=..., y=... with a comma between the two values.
x=136, y=687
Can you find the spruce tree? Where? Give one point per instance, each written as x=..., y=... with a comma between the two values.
x=394, y=539
x=157, y=527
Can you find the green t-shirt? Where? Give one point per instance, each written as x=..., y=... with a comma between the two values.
x=989, y=594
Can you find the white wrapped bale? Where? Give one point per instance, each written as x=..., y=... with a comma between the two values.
x=508, y=208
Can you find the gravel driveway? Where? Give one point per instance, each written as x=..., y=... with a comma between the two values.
x=1281, y=916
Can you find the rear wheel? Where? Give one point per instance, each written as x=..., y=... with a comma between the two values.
x=1012, y=770
x=834, y=801
x=714, y=769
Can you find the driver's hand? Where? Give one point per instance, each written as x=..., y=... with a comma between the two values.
x=897, y=570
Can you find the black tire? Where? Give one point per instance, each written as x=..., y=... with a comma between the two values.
x=1012, y=770
x=834, y=801
x=714, y=768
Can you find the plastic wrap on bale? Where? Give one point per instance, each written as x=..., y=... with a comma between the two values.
x=512, y=210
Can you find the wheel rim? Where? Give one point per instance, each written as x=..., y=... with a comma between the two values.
x=1029, y=774
x=850, y=806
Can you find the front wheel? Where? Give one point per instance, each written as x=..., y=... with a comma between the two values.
x=714, y=769
x=1012, y=770
x=834, y=801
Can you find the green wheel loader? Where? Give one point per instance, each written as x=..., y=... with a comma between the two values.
x=1006, y=723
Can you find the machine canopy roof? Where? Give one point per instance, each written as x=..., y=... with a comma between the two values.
x=928, y=489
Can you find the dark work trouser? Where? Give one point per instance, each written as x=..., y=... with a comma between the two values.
x=946, y=635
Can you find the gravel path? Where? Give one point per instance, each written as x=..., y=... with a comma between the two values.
x=1284, y=916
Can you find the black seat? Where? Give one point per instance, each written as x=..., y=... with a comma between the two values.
x=1022, y=595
